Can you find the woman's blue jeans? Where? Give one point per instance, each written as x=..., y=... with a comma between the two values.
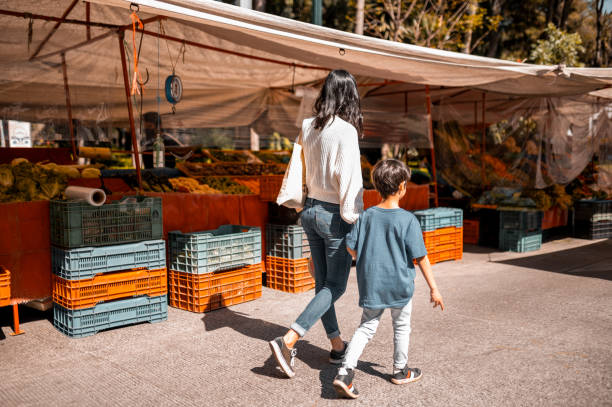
x=326, y=232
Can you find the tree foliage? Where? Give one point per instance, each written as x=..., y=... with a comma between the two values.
x=558, y=47
x=508, y=29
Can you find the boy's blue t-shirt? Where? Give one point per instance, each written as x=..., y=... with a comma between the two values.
x=386, y=241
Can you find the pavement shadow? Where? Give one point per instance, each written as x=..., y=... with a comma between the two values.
x=313, y=356
x=26, y=314
x=472, y=248
x=594, y=260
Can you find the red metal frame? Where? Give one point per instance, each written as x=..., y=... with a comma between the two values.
x=484, y=136
x=433, y=147
x=69, y=107
x=126, y=83
x=54, y=29
x=16, y=329
x=87, y=15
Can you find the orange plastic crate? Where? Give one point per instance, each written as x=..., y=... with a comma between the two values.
x=449, y=254
x=211, y=291
x=443, y=239
x=269, y=187
x=444, y=244
x=289, y=275
x=77, y=294
x=470, y=231
x=5, y=287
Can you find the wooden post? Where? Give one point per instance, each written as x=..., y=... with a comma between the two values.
x=69, y=108
x=128, y=97
x=433, y=147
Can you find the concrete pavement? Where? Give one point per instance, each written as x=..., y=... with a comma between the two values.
x=519, y=330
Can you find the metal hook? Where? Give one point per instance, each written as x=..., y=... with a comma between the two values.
x=146, y=81
x=173, y=109
x=342, y=51
x=134, y=7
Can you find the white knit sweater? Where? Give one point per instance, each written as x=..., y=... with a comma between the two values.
x=333, y=167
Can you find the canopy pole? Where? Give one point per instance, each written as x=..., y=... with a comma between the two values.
x=484, y=137
x=55, y=27
x=433, y=148
x=126, y=83
x=87, y=15
x=69, y=108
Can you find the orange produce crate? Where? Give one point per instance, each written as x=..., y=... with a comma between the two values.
x=269, y=187
x=444, y=244
x=443, y=239
x=77, y=294
x=289, y=275
x=470, y=231
x=211, y=291
x=449, y=254
x=5, y=287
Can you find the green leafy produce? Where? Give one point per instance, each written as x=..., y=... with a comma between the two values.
x=225, y=185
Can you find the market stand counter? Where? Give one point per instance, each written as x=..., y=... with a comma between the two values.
x=417, y=197
x=25, y=247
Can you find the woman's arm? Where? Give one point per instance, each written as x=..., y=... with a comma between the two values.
x=348, y=175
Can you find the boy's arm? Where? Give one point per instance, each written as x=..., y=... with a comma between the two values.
x=425, y=267
x=352, y=252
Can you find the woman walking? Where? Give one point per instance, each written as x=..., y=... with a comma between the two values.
x=335, y=200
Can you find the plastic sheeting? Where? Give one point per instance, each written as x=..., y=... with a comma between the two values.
x=530, y=143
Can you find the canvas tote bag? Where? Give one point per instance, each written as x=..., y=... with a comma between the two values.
x=293, y=190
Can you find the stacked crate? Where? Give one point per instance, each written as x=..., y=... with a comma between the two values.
x=442, y=233
x=287, y=258
x=593, y=219
x=5, y=287
x=470, y=231
x=214, y=269
x=520, y=230
x=109, y=265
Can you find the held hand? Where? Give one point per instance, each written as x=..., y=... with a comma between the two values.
x=436, y=298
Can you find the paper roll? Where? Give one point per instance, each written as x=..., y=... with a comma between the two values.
x=93, y=196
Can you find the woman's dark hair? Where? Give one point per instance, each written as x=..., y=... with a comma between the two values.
x=339, y=97
x=387, y=176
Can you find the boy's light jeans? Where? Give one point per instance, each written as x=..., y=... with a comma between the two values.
x=369, y=323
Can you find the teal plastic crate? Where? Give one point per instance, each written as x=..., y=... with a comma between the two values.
x=518, y=241
x=592, y=211
x=228, y=247
x=436, y=218
x=287, y=241
x=78, y=323
x=86, y=262
x=523, y=220
x=132, y=219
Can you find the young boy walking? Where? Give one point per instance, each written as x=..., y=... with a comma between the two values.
x=384, y=241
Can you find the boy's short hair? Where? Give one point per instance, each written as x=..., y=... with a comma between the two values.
x=387, y=176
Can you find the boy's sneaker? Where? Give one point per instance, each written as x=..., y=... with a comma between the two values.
x=407, y=375
x=343, y=383
x=285, y=357
x=336, y=357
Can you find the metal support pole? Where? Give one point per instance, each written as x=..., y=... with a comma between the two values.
x=484, y=139
x=317, y=12
x=69, y=108
x=54, y=29
x=16, y=329
x=87, y=15
x=433, y=147
x=128, y=97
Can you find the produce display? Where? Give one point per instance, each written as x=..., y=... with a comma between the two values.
x=150, y=182
x=23, y=181
x=542, y=199
x=185, y=184
x=225, y=185
x=273, y=157
x=229, y=156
